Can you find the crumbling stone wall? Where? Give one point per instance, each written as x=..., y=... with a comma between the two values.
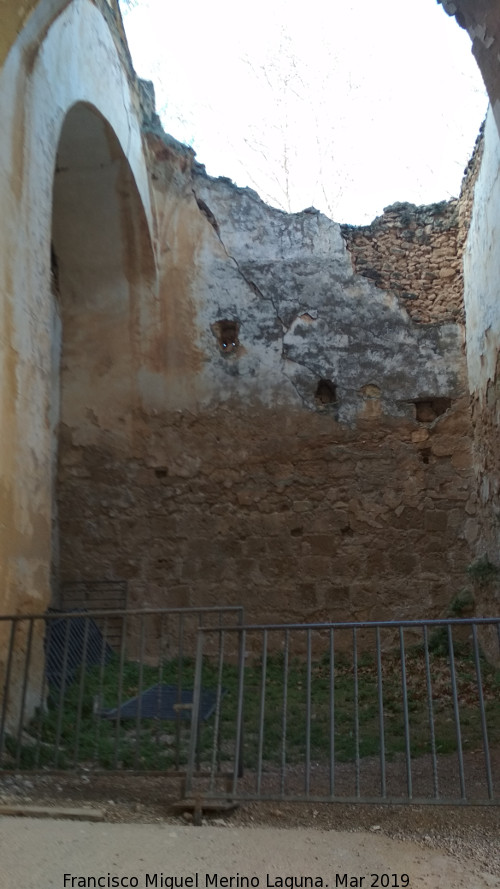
x=416, y=253
x=303, y=446
x=286, y=512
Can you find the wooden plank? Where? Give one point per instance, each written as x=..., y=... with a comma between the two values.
x=26, y=811
x=206, y=805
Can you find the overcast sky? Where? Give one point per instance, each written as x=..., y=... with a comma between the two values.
x=349, y=114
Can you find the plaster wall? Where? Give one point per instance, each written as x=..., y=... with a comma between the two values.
x=34, y=100
x=481, y=275
x=482, y=268
x=45, y=74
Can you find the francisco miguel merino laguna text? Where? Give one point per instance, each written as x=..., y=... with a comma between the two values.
x=207, y=881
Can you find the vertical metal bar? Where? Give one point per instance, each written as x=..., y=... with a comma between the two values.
x=307, y=782
x=99, y=701
x=238, y=746
x=27, y=659
x=81, y=690
x=406, y=720
x=62, y=690
x=181, y=644
x=163, y=648
x=6, y=687
x=139, y=694
x=195, y=713
x=356, y=709
x=430, y=709
x=284, y=714
x=262, y=709
x=380, y=693
x=123, y=642
x=218, y=698
x=180, y=679
x=43, y=690
x=451, y=656
x=158, y=720
x=484, y=727
x=332, y=712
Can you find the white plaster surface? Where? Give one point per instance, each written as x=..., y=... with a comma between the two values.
x=66, y=54
x=304, y=315
x=482, y=267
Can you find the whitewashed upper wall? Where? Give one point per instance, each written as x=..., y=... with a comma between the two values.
x=482, y=267
x=304, y=314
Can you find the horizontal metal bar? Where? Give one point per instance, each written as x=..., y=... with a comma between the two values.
x=367, y=800
x=351, y=625
x=265, y=797
x=130, y=612
x=100, y=772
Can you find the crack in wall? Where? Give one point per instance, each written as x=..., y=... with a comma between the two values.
x=212, y=220
x=308, y=402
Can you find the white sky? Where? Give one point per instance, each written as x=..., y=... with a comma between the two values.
x=345, y=105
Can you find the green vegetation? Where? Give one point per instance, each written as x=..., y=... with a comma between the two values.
x=483, y=571
x=462, y=603
x=71, y=731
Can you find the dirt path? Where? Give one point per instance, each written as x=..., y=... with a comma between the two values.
x=36, y=854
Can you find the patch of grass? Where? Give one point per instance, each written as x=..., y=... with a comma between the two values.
x=71, y=731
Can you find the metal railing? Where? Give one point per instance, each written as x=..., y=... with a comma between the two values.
x=382, y=712
x=74, y=694
x=355, y=712
x=96, y=595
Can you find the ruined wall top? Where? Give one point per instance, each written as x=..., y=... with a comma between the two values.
x=415, y=253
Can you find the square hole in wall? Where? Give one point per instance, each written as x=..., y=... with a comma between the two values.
x=428, y=409
x=226, y=333
x=326, y=393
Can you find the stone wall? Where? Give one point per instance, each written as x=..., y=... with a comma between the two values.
x=259, y=323
x=286, y=512
x=302, y=446
x=415, y=253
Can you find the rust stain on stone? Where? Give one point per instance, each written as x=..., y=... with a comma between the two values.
x=181, y=240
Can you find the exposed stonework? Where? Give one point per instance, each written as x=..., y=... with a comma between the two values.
x=313, y=344
x=412, y=253
x=415, y=253
x=286, y=512
x=302, y=448
x=486, y=461
x=243, y=415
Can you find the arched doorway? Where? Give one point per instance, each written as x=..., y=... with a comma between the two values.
x=103, y=274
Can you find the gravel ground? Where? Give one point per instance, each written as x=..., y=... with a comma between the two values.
x=470, y=834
